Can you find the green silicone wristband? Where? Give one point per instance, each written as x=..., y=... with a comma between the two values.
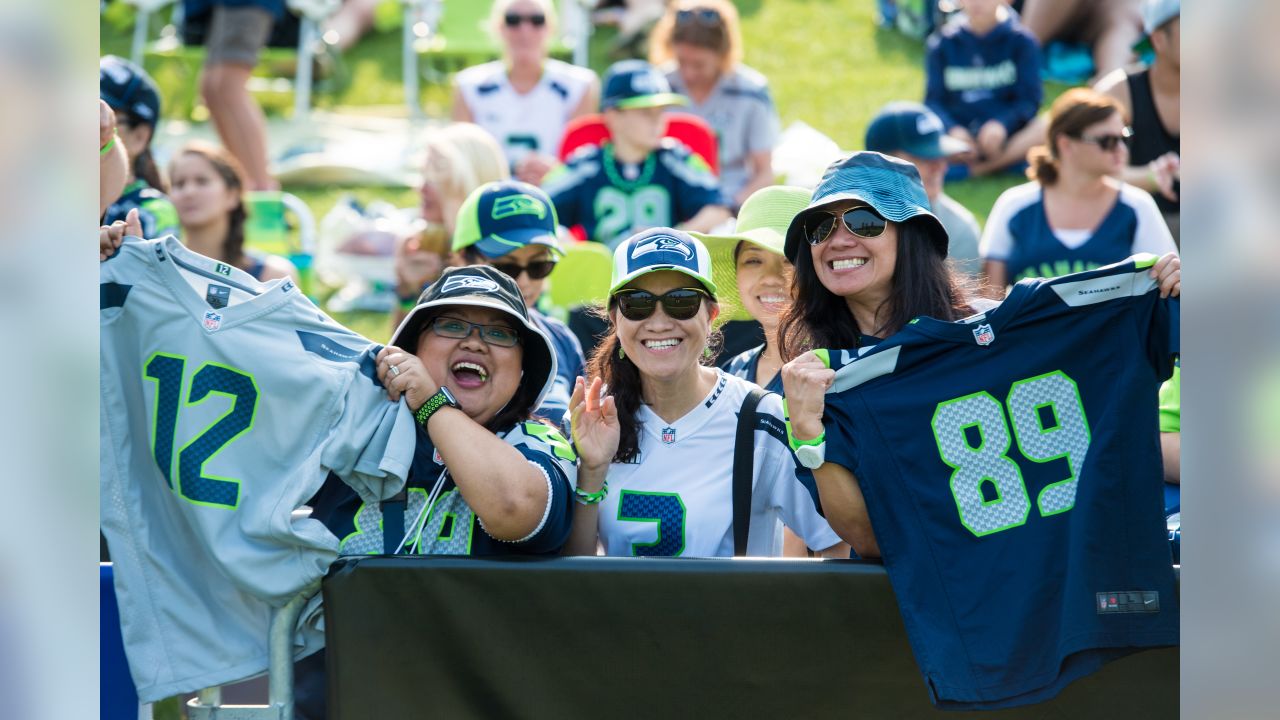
x=792, y=441
x=107, y=148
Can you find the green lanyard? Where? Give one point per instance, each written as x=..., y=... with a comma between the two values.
x=615, y=179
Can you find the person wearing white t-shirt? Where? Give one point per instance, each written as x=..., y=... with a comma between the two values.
x=1074, y=215
x=656, y=451
x=526, y=99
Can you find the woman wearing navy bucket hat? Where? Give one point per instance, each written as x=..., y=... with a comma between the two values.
x=869, y=257
x=657, y=423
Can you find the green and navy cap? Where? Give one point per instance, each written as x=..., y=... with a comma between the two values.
x=891, y=186
x=637, y=84
x=499, y=217
x=483, y=286
x=661, y=249
x=1155, y=15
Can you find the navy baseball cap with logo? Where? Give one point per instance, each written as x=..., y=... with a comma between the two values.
x=912, y=128
x=891, y=186
x=499, y=217
x=637, y=84
x=661, y=249
x=483, y=286
x=127, y=87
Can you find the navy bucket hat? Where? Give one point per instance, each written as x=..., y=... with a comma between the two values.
x=892, y=187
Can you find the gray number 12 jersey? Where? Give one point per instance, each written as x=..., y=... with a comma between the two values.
x=225, y=403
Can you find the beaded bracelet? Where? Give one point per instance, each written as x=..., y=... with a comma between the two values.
x=586, y=498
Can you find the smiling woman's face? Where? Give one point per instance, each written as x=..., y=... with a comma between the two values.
x=853, y=267
x=481, y=376
x=764, y=283
x=663, y=348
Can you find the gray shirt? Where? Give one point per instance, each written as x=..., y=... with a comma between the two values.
x=741, y=111
x=962, y=233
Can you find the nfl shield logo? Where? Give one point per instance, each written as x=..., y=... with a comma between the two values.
x=984, y=334
x=668, y=435
x=212, y=320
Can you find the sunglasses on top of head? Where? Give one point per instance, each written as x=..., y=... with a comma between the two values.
x=861, y=221
x=537, y=270
x=709, y=17
x=513, y=20
x=678, y=304
x=1107, y=142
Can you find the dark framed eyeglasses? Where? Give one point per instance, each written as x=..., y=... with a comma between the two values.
x=513, y=20
x=678, y=304
x=707, y=17
x=537, y=269
x=459, y=329
x=1107, y=142
x=861, y=221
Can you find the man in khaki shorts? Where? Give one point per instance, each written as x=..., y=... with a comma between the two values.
x=237, y=32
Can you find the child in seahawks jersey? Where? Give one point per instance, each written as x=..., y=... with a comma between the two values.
x=132, y=94
x=637, y=179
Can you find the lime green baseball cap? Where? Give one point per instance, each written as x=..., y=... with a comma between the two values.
x=763, y=222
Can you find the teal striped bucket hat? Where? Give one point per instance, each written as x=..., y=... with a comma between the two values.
x=892, y=187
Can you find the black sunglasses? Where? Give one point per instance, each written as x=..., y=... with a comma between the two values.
x=861, y=221
x=513, y=20
x=537, y=269
x=1107, y=143
x=703, y=16
x=678, y=304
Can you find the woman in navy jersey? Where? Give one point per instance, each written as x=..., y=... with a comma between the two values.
x=1074, y=215
x=208, y=192
x=869, y=257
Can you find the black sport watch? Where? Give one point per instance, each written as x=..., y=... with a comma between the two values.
x=442, y=398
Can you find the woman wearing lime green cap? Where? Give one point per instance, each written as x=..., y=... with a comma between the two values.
x=664, y=434
x=761, y=290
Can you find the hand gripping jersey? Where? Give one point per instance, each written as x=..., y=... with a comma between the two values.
x=1011, y=468
x=451, y=527
x=677, y=498
x=155, y=211
x=613, y=200
x=225, y=403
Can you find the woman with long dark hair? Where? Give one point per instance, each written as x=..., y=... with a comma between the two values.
x=870, y=258
x=656, y=451
x=208, y=191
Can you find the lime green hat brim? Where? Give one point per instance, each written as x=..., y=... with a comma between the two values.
x=648, y=101
x=725, y=266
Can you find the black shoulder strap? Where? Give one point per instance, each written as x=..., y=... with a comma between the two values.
x=743, y=453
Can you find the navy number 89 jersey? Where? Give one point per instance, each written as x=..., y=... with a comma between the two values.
x=1011, y=468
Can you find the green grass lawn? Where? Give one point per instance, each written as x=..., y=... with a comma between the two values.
x=827, y=62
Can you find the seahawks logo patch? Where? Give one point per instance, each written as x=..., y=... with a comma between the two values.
x=662, y=243
x=505, y=207
x=469, y=282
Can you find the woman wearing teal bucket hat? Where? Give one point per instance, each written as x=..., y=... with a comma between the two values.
x=760, y=288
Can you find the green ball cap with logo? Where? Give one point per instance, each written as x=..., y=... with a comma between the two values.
x=499, y=217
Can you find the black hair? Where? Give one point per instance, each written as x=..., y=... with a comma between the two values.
x=144, y=166
x=923, y=284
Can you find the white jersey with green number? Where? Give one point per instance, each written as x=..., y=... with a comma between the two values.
x=225, y=402
x=677, y=499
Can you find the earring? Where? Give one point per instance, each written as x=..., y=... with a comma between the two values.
x=621, y=355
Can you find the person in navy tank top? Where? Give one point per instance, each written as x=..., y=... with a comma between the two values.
x=1074, y=215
